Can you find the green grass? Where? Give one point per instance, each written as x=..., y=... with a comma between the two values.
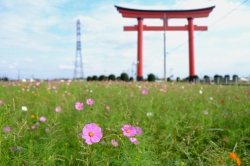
x=179, y=132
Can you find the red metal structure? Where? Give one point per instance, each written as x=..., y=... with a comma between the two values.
x=170, y=14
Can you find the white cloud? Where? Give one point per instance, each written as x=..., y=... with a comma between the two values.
x=66, y=66
x=45, y=32
x=28, y=59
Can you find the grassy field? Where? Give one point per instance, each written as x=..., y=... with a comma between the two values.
x=182, y=124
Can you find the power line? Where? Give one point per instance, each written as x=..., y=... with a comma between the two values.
x=210, y=25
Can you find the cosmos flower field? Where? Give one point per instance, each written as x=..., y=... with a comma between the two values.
x=123, y=124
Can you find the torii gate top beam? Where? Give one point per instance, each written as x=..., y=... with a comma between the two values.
x=139, y=13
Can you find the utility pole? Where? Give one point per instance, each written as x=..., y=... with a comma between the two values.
x=136, y=65
x=18, y=76
x=132, y=71
x=249, y=79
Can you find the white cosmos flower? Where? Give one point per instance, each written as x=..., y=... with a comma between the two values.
x=149, y=114
x=211, y=98
x=200, y=91
x=24, y=108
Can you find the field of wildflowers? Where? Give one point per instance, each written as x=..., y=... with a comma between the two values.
x=124, y=123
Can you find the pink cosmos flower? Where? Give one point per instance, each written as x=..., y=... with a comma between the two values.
x=134, y=140
x=128, y=130
x=90, y=101
x=15, y=148
x=91, y=133
x=58, y=109
x=33, y=127
x=43, y=119
x=114, y=143
x=38, y=83
x=79, y=106
x=144, y=92
x=108, y=108
x=206, y=112
x=1, y=102
x=138, y=130
x=6, y=129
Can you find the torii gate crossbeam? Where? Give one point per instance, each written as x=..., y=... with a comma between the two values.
x=159, y=14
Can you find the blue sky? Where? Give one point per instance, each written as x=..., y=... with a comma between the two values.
x=38, y=38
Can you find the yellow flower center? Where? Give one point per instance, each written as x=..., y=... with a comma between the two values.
x=127, y=131
x=32, y=116
x=91, y=134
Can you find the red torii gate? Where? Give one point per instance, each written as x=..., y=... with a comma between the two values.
x=159, y=14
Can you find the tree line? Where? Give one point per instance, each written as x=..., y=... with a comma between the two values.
x=123, y=77
x=151, y=78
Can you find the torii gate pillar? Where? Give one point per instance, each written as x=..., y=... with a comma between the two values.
x=159, y=14
x=139, y=49
x=191, y=48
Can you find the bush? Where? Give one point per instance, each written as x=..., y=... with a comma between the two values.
x=94, y=78
x=131, y=79
x=151, y=77
x=124, y=77
x=111, y=77
x=89, y=78
x=177, y=79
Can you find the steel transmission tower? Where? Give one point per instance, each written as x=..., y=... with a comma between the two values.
x=78, y=72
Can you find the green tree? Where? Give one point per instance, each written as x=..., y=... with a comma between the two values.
x=195, y=78
x=89, y=78
x=235, y=78
x=4, y=79
x=124, y=77
x=101, y=78
x=206, y=79
x=94, y=78
x=111, y=77
x=151, y=77
x=226, y=79
x=216, y=78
